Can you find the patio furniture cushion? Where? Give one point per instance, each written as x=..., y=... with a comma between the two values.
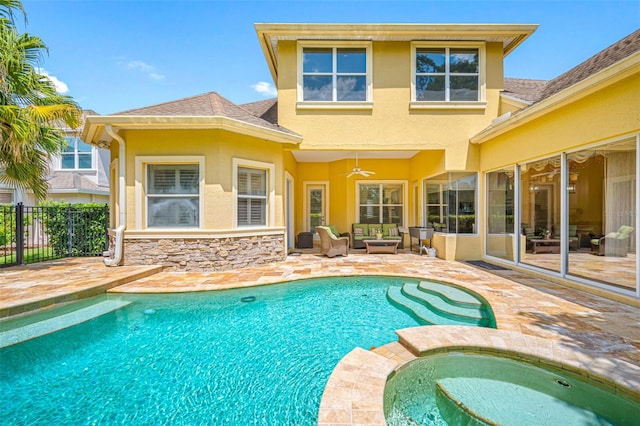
x=360, y=229
x=624, y=232
x=334, y=230
x=387, y=227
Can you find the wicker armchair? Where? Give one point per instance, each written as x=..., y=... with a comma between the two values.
x=330, y=245
x=612, y=244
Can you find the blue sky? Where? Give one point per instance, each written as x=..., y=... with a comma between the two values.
x=114, y=55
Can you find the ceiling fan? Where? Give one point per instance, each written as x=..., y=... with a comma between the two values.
x=358, y=171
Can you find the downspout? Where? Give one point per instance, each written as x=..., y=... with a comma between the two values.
x=119, y=232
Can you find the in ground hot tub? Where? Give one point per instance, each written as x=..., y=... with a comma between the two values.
x=469, y=388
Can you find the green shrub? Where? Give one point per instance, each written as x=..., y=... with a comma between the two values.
x=7, y=224
x=87, y=224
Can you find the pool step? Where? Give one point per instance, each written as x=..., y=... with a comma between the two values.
x=453, y=295
x=481, y=401
x=442, y=305
x=417, y=308
x=433, y=307
x=14, y=332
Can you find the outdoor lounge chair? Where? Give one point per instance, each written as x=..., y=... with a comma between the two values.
x=612, y=244
x=330, y=245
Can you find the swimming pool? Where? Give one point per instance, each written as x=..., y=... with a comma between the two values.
x=201, y=357
x=472, y=388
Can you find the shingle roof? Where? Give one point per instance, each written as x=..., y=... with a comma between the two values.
x=605, y=58
x=206, y=105
x=266, y=109
x=71, y=180
x=527, y=90
x=536, y=90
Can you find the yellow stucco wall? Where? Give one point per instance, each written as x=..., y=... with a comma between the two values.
x=391, y=124
x=605, y=114
x=219, y=148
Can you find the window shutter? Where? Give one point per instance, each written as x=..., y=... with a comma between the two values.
x=162, y=181
x=189, y=180
x=258, y=186
x=243, y=211
x=257, y=212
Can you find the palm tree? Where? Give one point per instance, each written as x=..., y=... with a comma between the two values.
x=32, y=112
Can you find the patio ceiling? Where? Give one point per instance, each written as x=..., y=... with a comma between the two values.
x=328, y=156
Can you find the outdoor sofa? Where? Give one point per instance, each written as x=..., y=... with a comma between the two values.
x=369, y=231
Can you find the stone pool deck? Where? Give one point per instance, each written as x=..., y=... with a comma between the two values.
x=535, y=317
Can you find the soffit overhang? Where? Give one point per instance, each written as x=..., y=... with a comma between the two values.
x=94, y=130
x=510, y=35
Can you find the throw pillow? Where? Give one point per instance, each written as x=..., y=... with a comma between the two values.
x=357, y=232
x=393, y=232
x=624, y=232
x=374, y=231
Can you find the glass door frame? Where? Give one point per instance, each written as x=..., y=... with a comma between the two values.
x=308, y=187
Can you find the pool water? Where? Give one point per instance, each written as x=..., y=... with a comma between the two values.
x=200, y=358
x=473, y=389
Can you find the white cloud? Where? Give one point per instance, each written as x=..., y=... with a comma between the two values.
x=60, y=86
x=144, y=68
x=265, y=89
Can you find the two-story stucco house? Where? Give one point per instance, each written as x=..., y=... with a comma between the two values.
x=539, y=175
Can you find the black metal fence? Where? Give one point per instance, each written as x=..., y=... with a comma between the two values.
x=36, y=234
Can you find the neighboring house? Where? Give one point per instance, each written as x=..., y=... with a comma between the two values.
x=78, y=175
x=491, y=162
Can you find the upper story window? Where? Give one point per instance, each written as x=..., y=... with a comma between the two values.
x=76, y=155
x=448, y=74
x=339, y=74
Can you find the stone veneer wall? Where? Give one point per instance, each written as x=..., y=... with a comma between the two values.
x=205, y=254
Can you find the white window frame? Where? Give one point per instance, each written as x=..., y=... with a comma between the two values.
x=442, y=205
x=270, y=209
x=482, y=76
x=141, y=163
x=76, y=158
x=334, y=104
x=405, y=199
